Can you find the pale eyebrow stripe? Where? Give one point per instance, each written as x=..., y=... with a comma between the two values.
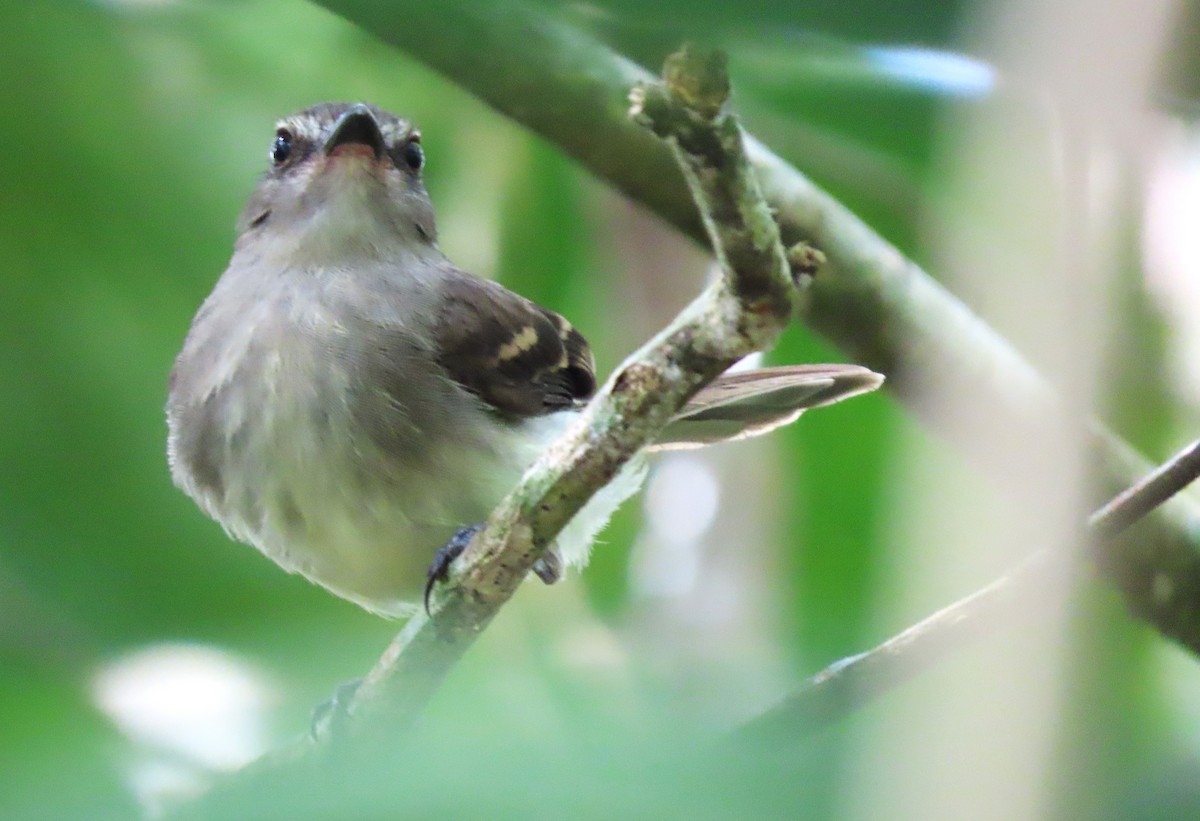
x=312, y=128
x=306, y=127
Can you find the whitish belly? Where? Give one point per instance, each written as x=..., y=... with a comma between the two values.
x=366, y=526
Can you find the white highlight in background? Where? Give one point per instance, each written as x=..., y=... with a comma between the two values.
x=682, y=500
x=1171, y=247
x=943, y=71
x=190, y=710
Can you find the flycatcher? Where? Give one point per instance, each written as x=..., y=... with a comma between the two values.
x=347, y=400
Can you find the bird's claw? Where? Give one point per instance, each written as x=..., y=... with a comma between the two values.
x=439, y=570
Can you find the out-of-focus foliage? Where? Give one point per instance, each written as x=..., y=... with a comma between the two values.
x=134, y=132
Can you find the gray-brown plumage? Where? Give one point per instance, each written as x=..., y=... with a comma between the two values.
x=347, y=398
x=520, y=358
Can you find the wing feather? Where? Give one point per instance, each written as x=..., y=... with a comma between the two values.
x=521, y=359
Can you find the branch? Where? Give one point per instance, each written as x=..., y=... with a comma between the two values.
x=742, y=312
x=1135, y=503
x=846, y=685
x=876, y=305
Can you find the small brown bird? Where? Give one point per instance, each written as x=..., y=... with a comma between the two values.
x=347, y=400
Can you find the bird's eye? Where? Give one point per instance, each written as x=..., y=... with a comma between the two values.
x=414, y=157
x=281, y=149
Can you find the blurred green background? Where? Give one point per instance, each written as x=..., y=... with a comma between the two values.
x=141, y=650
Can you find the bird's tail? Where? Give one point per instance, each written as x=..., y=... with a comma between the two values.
x=749, y=403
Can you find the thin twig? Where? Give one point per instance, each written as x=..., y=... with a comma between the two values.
x=1138, y=500
x=849, y=683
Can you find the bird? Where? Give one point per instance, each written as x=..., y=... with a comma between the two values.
x=351, y=403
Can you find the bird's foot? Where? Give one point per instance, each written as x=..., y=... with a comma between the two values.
x=439, y=571
x=330, y=715
x=548, y=568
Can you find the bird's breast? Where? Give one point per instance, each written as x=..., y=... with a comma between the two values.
x=326, y=437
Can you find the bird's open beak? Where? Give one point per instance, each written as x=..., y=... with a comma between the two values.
x=356, y=129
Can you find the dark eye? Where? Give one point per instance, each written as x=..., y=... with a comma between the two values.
x=281, y=149
x=414, y=157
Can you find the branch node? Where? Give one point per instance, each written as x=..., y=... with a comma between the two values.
x=698, y=77
x=804, y=261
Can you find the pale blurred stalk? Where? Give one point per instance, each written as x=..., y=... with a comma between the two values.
x=1033, y=240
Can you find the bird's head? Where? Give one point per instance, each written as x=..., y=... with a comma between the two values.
x=343, y=178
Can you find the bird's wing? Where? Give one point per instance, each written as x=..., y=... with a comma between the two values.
x=519, y=358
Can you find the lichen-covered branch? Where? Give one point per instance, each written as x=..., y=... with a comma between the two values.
x=857, y=680
x=871, y=301
x=742, y=312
